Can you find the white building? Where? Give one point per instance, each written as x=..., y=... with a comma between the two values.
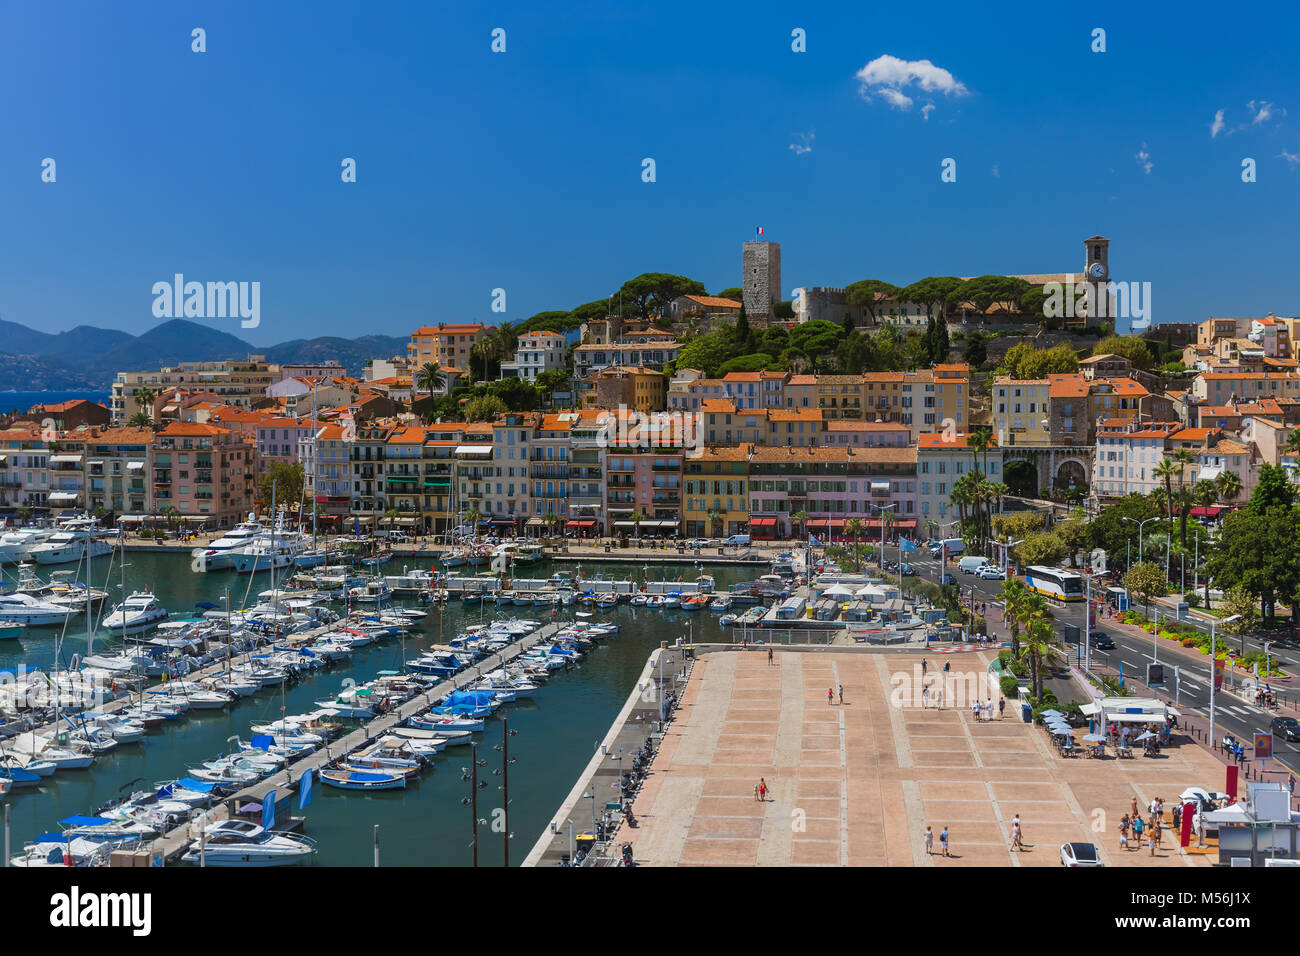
x=535, y=353
x=941, y=459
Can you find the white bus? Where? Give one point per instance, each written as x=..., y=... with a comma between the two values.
x=1055, y=583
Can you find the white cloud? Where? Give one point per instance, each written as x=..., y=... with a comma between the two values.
x=805, y=146
x=1292, y=159
x=1144, y=159
x=1264, y=111
x=1217, y=126
x=887, y=77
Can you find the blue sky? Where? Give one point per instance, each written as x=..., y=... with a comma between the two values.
x=522, y=170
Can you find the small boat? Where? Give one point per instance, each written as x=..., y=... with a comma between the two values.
x=11, y=630
x=639, y=600
x=363, y=780
x=655, y=601
x=727, y=620
x=140, y=612
x=721, y=602
x=694, y=602
x=607, y=601
x=673, y=600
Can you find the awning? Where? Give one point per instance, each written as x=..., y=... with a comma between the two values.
x=502, y=521
x=130, y=519
x=131, y=465
x=407, y=522
x=625, y=524
x=93, y=461
x=580, y=524
x=365, y=519
x=473, y=449
x=1209, y=473
x=331, y=500
x=64, y=459
x=905, y=523
x=407, y=479
x=63, y=496
x=762, y=522
x=1213, y=511
x=534, y=522
x=826, y=522
x=197, y=518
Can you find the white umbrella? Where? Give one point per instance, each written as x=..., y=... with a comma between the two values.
x=1144, y=735
x=1094, y=738
x=837, y=590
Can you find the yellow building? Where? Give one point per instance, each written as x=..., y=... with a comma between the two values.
x=716, y=479
x=635, y=387
x=448, y=345
x=1020, y=410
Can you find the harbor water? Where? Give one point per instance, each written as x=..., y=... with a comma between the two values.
x=557, y=728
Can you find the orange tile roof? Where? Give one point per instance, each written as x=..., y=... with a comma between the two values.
x=743, y=377
x=1067, y=386
x=794, y=414
x=720, y=406
x=802, y=380
x=715, y=302
x=451, y=329
x=192, y=430
x=1192, y=434
x=944, y=440
x=833, y=453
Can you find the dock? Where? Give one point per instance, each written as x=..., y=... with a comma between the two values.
x=172, y=845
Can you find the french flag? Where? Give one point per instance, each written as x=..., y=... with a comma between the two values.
x=759, y=231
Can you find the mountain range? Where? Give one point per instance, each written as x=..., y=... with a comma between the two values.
x=90, y=358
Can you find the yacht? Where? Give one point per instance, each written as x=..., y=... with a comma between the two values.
x=63, y=588
x=70, y=544
x=15, y=545
x=263, y=553
x=221, y=553
x=140, y=612
x=25, y=609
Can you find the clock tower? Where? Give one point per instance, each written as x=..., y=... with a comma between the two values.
x=1096, y=270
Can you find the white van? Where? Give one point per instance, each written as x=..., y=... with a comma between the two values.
x=950, y=546
x=738, y=540
x=972, y=563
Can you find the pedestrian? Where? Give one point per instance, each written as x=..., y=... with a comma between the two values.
x=756, y=793
x=1198, y=824
x=1137, y=828
x=1002, y=706
x=1015, y=833
x=1123, y=832
x=830, y=696
x=841, y=687
x=924, y=666
x=762, y=789
x=1133, y=807
x=1155, y=831
x=975, y=710
x=1151, y=840
x=925, y=697
x=988, y=709
x=946, y=665
x=769, y=657
x=941, y=697
x=1178, y=816
x=943, y=840
x=929, y=842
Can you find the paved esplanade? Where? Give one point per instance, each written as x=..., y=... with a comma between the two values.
x=858, y=783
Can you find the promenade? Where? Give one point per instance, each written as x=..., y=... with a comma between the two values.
x=858, y=783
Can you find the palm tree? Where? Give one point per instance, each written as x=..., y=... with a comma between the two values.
x=856, y=528
x=800, y=518
x=486, y=351
x=715, y=520
x=473, y=516
x=140, y=420
x=1229, y=483
x=430, y=378
x=1015, y=598
x=1186, y=499
x=144, y=398
x=1041, y=646
x=1166, y=471
x=636, y=518
x=551, y=520
x=1293, y=441
x=980, y=440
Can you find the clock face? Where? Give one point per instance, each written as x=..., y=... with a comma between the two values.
x=1097, y=270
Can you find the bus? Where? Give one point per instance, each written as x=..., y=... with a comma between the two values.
x=1055, y=583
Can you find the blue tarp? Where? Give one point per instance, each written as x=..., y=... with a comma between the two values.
x=52, y=838
x=262, y=741
x=84, y=822
x=198, y=786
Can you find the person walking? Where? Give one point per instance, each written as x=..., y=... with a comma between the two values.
x=924, y=666
x=929, y=842
x=841, y=689
x=1137, y=829
x=1198, y=824
x=1133, y=807
x=830, y=696
x=756, y=793
x=1002, y=706
x=1015, y=833
x=975, y=710
x=941, y=696
x=1123, y=832
x=769, y=657
x=925, y=698
x=1151, y=839
x=762, y=790
x=943, y=840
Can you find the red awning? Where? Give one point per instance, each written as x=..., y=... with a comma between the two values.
x=905, y=523
x=762, y=522
x=827, y=522
x=509, y=521
x=1213, y=511
x=331, y=500
x=580, y=524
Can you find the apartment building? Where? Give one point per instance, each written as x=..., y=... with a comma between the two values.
x=1126, y=455
x=24, y=468
x=508, y=494
x=941, y=459
x=722, y=423
x=234, y=382
x=205, y=473
x=328, y=473
x=638, y=388
x=119, y=468
x=535, y=353
x=1217, y=388
x=855, y=434
x=549, y=473
x=448, y=345
x=1020, y=410
x=588, y=429
x=795, y=427
x=716, y=484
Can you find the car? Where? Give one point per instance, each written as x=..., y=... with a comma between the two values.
x=1288, y=728
x=908, y=570
x=989, y=573
x=947, y=579
x=1080, y=854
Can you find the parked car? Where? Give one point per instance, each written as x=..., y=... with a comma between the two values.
x=1288, y=728
x=1080, y=854
x=947, y=579
x=989, y=573
x=1101, y=640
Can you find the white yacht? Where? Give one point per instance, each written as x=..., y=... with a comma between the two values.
x=75, y=542
x=33, y=612
x=221, y=553
x=141, y=611
x=242, y=843
x=263, y=554
x=15, y=545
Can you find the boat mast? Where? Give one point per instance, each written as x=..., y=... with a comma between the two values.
x=315, y=461
x=275, y=598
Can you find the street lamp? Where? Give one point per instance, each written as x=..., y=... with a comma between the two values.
x=1140, y=525
x=1214, y=664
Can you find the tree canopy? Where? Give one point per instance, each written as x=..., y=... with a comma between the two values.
x=1024, y=361
x=1130, y=347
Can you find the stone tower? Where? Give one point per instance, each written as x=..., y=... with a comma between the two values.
x=760, y=266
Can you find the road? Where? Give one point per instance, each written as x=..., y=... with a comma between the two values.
x=1232, y=714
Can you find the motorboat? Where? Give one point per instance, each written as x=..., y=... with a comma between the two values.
x=727, y=620
x=33, y=612
x=270, y=552
x=607, y=601
x=243, y=843
x=62, y=588
x=16, y=545
x=11, y=630
x=655, y=600
x=721, y=602
x=139, y=612
x=639, y=600
x=58, y=850
x=694, y=602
